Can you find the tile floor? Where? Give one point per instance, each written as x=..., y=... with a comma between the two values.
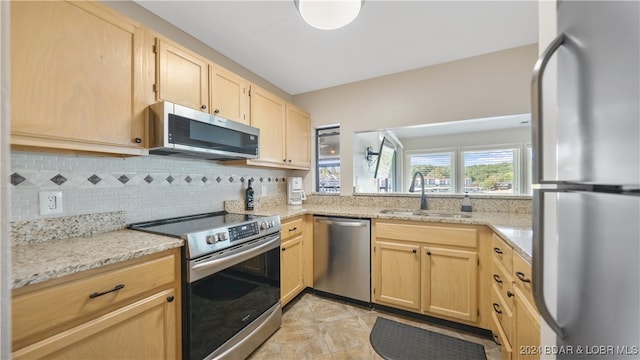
x=315, y=327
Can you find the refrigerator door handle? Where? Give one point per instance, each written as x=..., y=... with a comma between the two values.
x=538, y=262
x=537, y=108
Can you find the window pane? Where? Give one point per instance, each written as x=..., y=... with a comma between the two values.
x=489, y=171
x=436, y=169
x=328, y=160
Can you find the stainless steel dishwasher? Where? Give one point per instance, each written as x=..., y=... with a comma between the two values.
x=342, y=257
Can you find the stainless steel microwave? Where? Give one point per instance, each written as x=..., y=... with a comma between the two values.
x=177, y=130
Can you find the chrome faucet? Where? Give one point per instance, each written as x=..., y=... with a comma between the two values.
x=423, y=199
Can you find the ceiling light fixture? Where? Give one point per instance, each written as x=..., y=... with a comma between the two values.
x=328, y=14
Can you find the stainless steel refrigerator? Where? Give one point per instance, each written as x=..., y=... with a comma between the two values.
x=586, y=250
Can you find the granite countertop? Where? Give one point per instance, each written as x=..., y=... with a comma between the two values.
x=515, y=228
x=37, y=262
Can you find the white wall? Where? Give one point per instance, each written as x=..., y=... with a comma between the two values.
x=489, y=85
x=362, y=172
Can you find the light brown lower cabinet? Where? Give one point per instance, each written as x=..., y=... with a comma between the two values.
x=428, y=268
x=296, y=257
x=516, y=326
x=122, y=311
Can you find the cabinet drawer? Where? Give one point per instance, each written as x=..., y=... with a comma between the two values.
x=522, y=276
x=499, y=337
x=291, y=228
x=502, y=252
x=502, y=313
x=49, y=307
x=503, y=282
x=453, y=236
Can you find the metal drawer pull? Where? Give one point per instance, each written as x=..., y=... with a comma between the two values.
x=520, y=276
x=497, y=278
x=496, y=308
x=510, y=294
x=116, y=288
x=497, y=250
x=495, y=338
x=293, y=229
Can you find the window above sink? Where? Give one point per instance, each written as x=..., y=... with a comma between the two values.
x=490, y=156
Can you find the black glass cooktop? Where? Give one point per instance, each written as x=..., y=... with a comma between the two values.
x=179, y=226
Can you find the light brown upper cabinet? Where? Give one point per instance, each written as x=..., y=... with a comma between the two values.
x=80, y=78
x=182, y=76
x=185, y=78
x=268, y=115
x=285, y=131
x=229, y=94
x=298, y=137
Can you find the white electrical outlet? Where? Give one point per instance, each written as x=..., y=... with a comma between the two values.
x=264, y=190
x=50, y=202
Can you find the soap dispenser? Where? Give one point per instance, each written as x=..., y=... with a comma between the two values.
x=466, y=203
x=249, y=197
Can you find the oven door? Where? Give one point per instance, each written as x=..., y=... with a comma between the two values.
x=226, y=292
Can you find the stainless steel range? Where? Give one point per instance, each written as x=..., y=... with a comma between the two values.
x=231, y=281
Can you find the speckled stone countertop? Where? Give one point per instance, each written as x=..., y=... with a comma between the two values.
x=515, y=228
x=37, y=262
x=50, y=248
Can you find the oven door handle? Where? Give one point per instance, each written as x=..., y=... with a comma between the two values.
x=226, y=261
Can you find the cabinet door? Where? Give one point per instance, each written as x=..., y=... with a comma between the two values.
x=449, y=285
x=77, y=70
x=298, y=134
x=527, y=327
x=291, y=256
x=268, y=114
x=182, y=76
x=143, y=330
x=396, y=274
x=228, y=95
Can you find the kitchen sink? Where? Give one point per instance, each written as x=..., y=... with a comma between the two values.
x=406, y=212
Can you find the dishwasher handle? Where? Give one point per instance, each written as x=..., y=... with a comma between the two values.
x=343, y=223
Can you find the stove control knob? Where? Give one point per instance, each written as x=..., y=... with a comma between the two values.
x=222, y=237
x=211, y=239
x=263, y=226
x=270, y=223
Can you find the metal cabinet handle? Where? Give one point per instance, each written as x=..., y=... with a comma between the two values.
x=137, y=140
x=203, y=107
x=116, y=288
x=293, y=229
x=216, y=111
x=495, y=338
x=428, y=252
x=497, y=279
x=170, y=298
x=284, y=248
x=510, y=294
x=497, y=250
x=522, y=277
x=496, y=308
x=537, y=177
x=414, y=251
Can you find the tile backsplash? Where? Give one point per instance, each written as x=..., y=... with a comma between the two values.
x=144, y=187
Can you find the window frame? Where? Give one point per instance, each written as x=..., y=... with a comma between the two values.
x=414, y=152
x=522, y=166
x=517, y=166
x=317, y=146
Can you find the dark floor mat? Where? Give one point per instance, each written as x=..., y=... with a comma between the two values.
x=395, y=341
